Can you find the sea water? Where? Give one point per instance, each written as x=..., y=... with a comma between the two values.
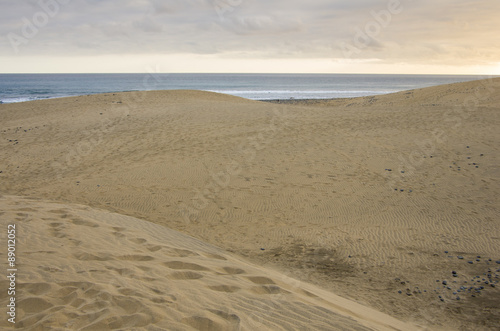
x=26, y=87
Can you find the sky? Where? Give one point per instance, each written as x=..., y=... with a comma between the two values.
x=250, y=36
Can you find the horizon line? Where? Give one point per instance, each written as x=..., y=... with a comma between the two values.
x=238, y=73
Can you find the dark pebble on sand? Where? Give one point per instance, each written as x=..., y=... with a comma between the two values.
x=492, y=285
x=446, y=252
x=454, y=272
x=263, y=249
x=460, y=257
x=467, y=146
x=497, y=262
x=444, y=282
x=470, y=262
x=400, y=292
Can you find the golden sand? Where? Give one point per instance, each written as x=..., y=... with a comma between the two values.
x=357, y=197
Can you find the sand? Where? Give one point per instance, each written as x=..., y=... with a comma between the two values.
x=352, y=200
x=88, y=269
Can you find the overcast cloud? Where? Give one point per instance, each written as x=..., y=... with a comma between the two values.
x=445, y=32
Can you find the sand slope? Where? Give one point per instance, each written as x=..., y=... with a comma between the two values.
x=362, y=197
x=87, y=269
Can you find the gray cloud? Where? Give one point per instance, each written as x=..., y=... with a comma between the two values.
x=451, y=30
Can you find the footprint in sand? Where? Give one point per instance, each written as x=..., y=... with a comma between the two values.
x=36, y=288
x=56, y=228
x=29, y=209
x=138, y=240
x=118, y=231
x=130, y=292
x=78, y=221
x=261, y=280
x=233, y=271
x=185, y=275
x=224, y=288
x=203, y=323
x=34, y=305
x=231, y=318
x=136, y=258
x=122, y=271
x=215, y=256
x=91, y=257
x=153, y=248
x=84, y=286
x=268, y=289
x=58, y=211
x=181, y=252
x=179, y=265
x=130, y=305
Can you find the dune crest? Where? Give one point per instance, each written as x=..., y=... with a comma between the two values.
x=86, y=269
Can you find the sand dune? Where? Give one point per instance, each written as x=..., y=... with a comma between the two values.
x=86, y=269
x=361, y=197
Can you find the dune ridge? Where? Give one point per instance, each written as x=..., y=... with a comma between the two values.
x=85, y=269
x=371, y=198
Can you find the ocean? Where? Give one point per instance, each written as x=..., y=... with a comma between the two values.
x=27, y=87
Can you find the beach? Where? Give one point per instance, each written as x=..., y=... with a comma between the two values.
x=191, y=210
